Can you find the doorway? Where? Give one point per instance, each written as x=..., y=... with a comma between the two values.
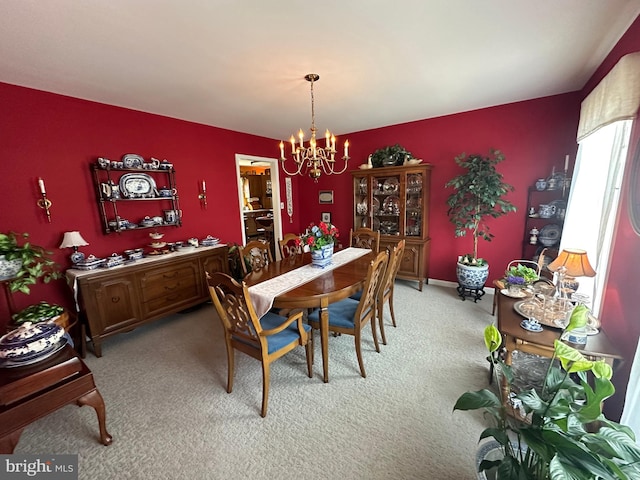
x=271, y=164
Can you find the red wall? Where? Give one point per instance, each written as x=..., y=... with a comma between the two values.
x=619, y=314
x=57, y=138
x=534, y=135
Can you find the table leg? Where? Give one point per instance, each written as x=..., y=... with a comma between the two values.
x=324, y=337
x=8, y=443
x=94, y=399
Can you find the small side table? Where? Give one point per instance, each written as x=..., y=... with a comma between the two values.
x=31, y=392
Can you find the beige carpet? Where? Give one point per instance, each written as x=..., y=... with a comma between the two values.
x=171, y=418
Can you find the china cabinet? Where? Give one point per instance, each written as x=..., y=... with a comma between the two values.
x=543, y=226
x=395, y=202
x=136, y=197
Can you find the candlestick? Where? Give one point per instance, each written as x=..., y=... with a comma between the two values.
x=203, y=195
x=44, y=202
x=566, y=163
x=346, y=148
x=281, y=149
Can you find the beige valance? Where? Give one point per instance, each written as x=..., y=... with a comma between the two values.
x=616, y=97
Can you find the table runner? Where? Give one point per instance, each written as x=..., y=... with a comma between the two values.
x=263, y=294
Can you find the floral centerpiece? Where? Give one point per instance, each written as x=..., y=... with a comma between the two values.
x=320, y=239
x=319, y=236
x=520, y=275
x=560, y=431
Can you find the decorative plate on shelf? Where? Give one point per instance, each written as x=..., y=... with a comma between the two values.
x=549, y=234
x=391, y=185
x=131, y=160
x=138, y=185
x=391, y=205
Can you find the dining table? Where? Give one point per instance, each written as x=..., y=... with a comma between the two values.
x=293, y=283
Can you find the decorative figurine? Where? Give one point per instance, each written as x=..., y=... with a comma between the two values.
x=534, y=236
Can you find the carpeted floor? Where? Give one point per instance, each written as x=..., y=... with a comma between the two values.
x=171, y=418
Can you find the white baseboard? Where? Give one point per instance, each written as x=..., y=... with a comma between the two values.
x=445, y=283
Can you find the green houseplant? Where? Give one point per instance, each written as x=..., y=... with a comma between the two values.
x=478, y=195
x=389, y=156
x=563, y=433
x=35, y=261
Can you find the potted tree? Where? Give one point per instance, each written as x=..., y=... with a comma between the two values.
x=478, y=195
x=558, y=430
x=22, y=263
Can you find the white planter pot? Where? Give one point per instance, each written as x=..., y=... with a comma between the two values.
x=472, y=277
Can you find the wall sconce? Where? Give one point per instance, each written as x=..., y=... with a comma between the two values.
x=203, y=195
x=44, y=202
x=74, y=240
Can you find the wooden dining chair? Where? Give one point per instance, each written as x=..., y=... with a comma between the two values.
x=365, y=238
x=257, y=254
x=349, y=316
x=265, y=339
x=288, y=246
x=385, y=292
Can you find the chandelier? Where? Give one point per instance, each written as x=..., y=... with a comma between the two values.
x=313, y=159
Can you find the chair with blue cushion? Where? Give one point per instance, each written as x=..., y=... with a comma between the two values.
x=350, y=316
x=385, y=293
x=265, y=339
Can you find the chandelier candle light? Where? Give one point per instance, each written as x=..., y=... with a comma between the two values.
x=313, y=159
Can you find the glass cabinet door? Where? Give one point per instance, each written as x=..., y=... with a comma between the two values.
x=362, y=217
x=413, y=210
x=386, y=205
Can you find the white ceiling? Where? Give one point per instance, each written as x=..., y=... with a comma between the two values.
x=239, y=64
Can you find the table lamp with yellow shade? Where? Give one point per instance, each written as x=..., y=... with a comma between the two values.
x=571, y=263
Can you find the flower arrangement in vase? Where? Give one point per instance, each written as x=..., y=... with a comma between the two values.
x=318, y=236
x=320, y=239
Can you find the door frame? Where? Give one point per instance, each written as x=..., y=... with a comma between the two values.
x=242, y=158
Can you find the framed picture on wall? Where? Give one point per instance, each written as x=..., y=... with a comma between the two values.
x=326, y=217
x=325, y=196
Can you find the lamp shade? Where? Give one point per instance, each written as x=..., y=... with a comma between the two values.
x=73, y=240
x=575, y=261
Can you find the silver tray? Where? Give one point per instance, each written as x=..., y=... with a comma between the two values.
x=546, y=316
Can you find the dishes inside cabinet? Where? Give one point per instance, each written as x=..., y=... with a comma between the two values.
x=361, y=208
x=413, y=202
x=389, y=227
x=376, y=206
x=414, y=183
x=131, y=160
x=137, y=185
x=376, y=224
x=549, y=234
x=391, y=185
x=391, y=205
x=362, y=186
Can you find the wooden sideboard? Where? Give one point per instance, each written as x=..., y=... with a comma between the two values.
x=118, y=299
